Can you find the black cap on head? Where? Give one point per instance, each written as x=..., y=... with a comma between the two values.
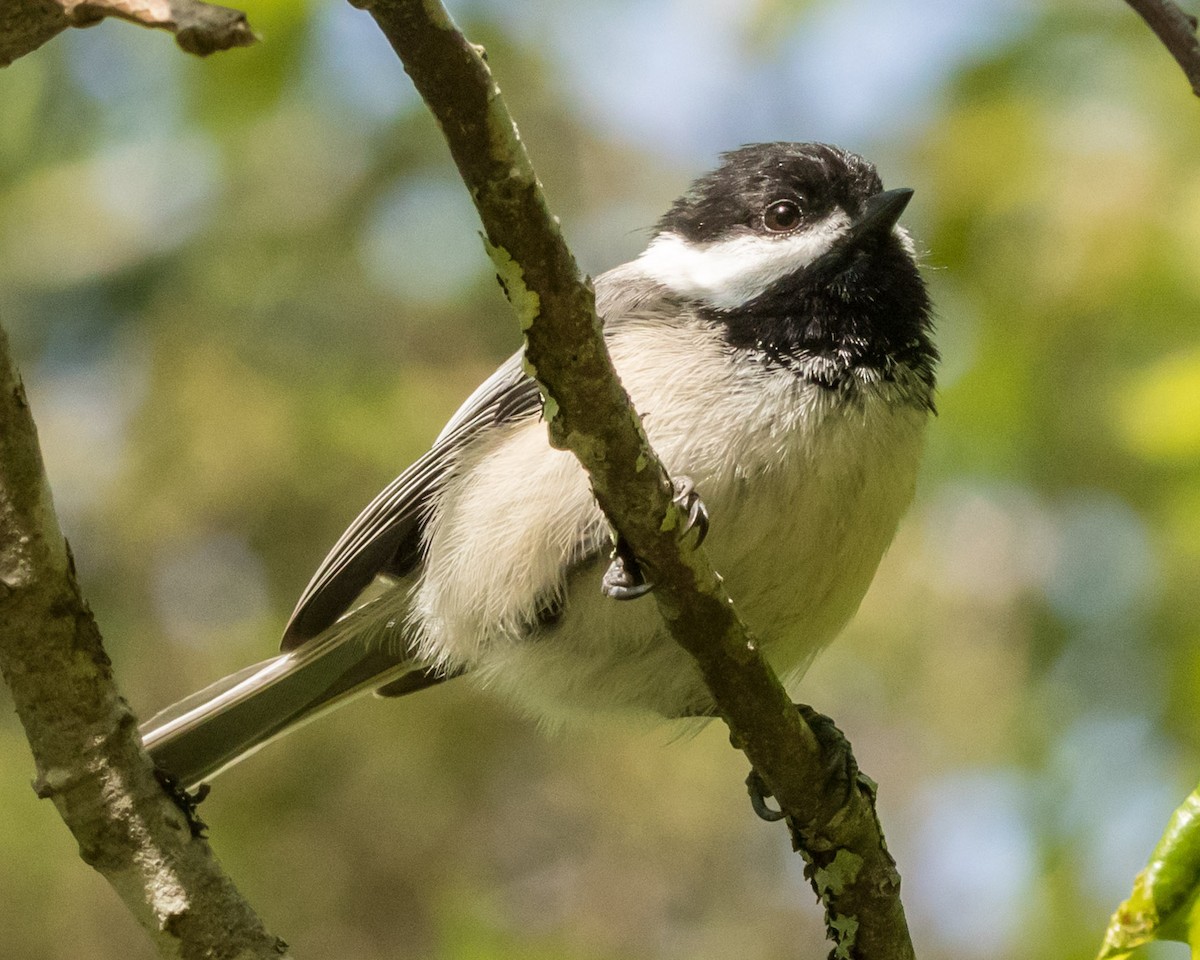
x=730, y=200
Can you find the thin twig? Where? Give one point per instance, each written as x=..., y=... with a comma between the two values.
x=1177, y=31
x=199, y=28
x=589, y=413
x=84, y=738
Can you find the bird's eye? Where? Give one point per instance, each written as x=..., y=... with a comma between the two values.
x=781, y=216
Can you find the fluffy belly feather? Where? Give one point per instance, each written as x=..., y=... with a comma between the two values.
x=805, y=487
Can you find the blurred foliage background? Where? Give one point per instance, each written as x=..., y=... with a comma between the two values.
x=246, y=291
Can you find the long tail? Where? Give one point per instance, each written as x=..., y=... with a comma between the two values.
x=203, y=734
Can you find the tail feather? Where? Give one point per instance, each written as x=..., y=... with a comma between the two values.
x=200, y=736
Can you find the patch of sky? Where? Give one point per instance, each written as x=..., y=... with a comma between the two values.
x=353, y=68
x=134, y=80
x=85, y=387
x=1112, y=784
x=422, y=243
x=874, y=70
x=970, y=861
x=159, y=190
x=83, y=219
x=1089, y=553
x=681, y=77
x=1104, y=565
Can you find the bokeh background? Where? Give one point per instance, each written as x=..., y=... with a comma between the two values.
x=246, y=291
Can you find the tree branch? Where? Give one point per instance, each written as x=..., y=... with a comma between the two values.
x=1177, y=31
x=831, y=811
x=84, y=737
x=199, y=28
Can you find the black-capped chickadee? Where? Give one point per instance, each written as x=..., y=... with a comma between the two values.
x=775, y=338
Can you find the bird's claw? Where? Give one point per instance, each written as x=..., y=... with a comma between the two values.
x=759, y=791
x=624, y=579
x=841, y=771
x=186, y=801
x=689, y=501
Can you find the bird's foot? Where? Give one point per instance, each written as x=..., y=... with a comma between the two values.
x=624, y=579
x=759, y=792
x=188, y=803
x=836, y=756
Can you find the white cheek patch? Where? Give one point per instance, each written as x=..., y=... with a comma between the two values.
x=726, y=274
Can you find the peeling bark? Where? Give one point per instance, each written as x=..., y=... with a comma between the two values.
x=199, y=28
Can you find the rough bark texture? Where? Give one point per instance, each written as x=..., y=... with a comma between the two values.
x=1177, y=31
x=831, y=809
x=84, y=738
x=199, y=28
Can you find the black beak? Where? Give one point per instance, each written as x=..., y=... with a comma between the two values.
x=878, y=217
x=874, y=225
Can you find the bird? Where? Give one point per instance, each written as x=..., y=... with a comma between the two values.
x=776, y=338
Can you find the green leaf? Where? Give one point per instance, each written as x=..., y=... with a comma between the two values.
x=1162, y=905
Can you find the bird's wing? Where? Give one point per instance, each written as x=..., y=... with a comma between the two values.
x=386, y=536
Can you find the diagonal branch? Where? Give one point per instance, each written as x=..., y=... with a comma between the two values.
x=199, y=28
x=1177, y=31
x=84, y=738
x=831, y=811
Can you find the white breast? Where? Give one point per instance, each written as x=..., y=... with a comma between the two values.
x=804, y=489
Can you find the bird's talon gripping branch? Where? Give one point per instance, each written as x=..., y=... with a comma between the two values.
x=834, y=745
x=624, y=580
x=690, y=502
x=759, y=792
x=188, y=803
x=841, y=768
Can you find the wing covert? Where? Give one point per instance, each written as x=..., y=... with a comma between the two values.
x=386, y=537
